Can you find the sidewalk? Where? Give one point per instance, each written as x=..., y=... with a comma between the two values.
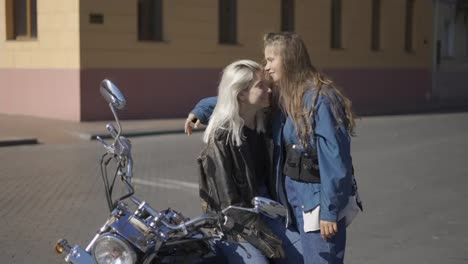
x=20, y=130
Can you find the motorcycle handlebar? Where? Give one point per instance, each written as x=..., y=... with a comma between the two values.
x=129, y=172
x=209, y=218
x=193, y=223
x=111, y=129
x=201, y=220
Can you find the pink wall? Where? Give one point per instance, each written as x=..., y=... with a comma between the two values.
x=171, y=93
x=374, y=91
x=52, y=93
x=150, y=93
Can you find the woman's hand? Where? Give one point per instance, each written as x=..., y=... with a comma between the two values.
x=191, y=120
x=328, y=229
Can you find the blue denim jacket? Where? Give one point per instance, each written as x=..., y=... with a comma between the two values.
x=332, y=143
x=333, y=148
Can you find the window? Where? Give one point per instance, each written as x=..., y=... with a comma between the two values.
x=409, y=25
x=150, y=20
x=21, y=19
x=375, y=25
x=227, y=22
x=287, y=15
x=466, y=40
x=336, y=24
x=448, y=39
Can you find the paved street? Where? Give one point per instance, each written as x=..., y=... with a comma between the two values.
x=412, y=173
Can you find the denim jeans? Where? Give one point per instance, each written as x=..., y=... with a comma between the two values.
x=291, y=239
x=235, y=254
x=315, y=249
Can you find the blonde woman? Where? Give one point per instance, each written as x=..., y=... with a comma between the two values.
x=234, y=163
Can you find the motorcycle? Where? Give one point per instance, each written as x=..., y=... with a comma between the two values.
x=135, y=232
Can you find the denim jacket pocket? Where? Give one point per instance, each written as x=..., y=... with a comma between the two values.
x=308, y=194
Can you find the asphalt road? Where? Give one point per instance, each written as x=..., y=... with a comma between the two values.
x=412, y=174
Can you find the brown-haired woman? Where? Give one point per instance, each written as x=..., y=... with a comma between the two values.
x=313, y=128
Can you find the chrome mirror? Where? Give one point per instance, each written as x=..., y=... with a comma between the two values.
x=115, y=98
x=112, y=94
x=269, y=207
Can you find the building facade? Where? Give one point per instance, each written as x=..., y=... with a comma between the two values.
x=167, y=54
x=450, y=80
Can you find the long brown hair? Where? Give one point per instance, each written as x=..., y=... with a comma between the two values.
x=299, y=76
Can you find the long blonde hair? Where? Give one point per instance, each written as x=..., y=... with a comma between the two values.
x=237, y=76
x=298, y=77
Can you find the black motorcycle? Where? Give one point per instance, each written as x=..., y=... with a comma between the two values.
x=135, y=232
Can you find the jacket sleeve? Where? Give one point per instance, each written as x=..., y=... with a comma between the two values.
x=333, y=149
x=218, y=167
x=204, y=109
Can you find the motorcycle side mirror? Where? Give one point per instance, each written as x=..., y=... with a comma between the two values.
x=268, y=207
x=115, y=98
x=112, y=94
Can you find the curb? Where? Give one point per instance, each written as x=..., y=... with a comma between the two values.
x=18, y=141
x=93, y=136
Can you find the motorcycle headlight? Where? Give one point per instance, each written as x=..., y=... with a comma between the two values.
x=112, y=249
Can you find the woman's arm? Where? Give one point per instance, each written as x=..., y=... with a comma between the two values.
x=333, y=149
x=200, y=114
x=204, y=109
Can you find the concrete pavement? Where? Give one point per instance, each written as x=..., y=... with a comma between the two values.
x=411, y=173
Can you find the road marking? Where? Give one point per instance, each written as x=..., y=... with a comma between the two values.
x=167, y=183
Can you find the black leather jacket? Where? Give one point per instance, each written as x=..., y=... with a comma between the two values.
x=227, y=177
x=227, y=173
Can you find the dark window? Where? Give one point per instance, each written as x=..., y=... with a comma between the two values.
x=21, y=19
x=287, y=15
x=336, y=24
x=150, y=21
x=375, y=25
x=409, y=20
x=227, y=21
x=466, y=41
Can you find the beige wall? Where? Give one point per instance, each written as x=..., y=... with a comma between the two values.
x=56, y=74
x=57, y=44
x=40, y=77
x=313, y=23
x=191, y=32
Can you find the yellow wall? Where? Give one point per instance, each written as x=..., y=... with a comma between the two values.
x=191, y=34
x=313, y=23
x=57, y=44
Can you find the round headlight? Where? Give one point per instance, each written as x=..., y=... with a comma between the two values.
x=112, y=249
